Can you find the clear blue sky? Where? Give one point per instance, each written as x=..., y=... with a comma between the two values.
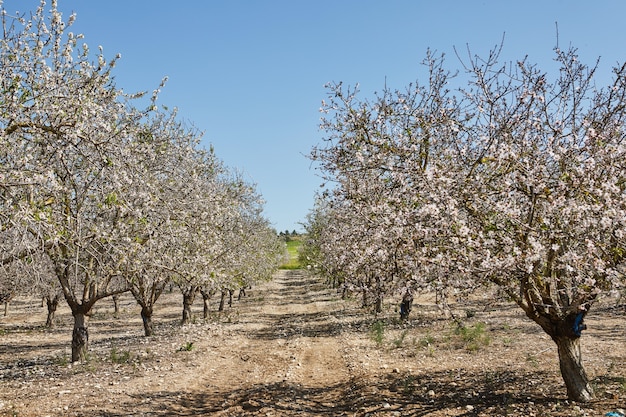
x=250, y=74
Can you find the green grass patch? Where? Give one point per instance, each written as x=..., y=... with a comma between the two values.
x=472, y=338
x=293, y=248
x=399, y=342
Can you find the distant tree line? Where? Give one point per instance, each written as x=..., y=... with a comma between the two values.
x=287, y=236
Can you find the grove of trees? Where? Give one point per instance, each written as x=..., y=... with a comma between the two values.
x=103, y=192
x=515, y=180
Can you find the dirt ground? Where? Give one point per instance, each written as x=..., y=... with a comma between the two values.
x=293, y=347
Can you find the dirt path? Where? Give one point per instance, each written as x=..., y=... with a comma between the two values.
x=290, y=359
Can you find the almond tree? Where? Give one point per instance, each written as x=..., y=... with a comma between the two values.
x=254, y=251
x=539, y=186
x=64, y=125
x=26, y=270
x=164, y=160
x=376, y=156
x=200, y=232
x=516, y=180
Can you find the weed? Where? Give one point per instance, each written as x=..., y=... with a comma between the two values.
x=89, y=364
x=622, y=383
x=472, y=337
x=427, y=340
x=409, y=384
x=187, y=347
x=377, y=332
x=431, y=352
x=120, y=357
x=400, y=340
x=61, y=360
x=532, y=359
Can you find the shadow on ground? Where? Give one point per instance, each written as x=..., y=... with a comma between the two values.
x=456, y=393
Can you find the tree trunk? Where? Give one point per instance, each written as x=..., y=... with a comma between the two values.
x=574, y=375
x=405, y=306
x=206, y=296
x=188, y=299
x=378, y=308
x=565, y=331
x=222, y=300
x=205, y=307
x=5, y=297
x=52, y=303
x=146, y=316
x=116, y=303
x=80, y=336
x=230, y=298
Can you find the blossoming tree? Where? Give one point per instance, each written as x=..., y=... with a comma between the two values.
x=63, y=125
x=112, y=198
x=516, y=180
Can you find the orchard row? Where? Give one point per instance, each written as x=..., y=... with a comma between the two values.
x=498, y=174
x=102, y=192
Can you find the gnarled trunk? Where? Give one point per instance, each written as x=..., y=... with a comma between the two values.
x=566, y=331
x=146, y=316
x=572, y=370
x=80, y=335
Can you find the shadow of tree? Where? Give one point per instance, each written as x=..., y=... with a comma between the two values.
x=440, y=393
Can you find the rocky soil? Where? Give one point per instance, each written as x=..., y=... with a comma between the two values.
x=293, y=347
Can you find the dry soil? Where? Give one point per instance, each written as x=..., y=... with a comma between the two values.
x=293, y=347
